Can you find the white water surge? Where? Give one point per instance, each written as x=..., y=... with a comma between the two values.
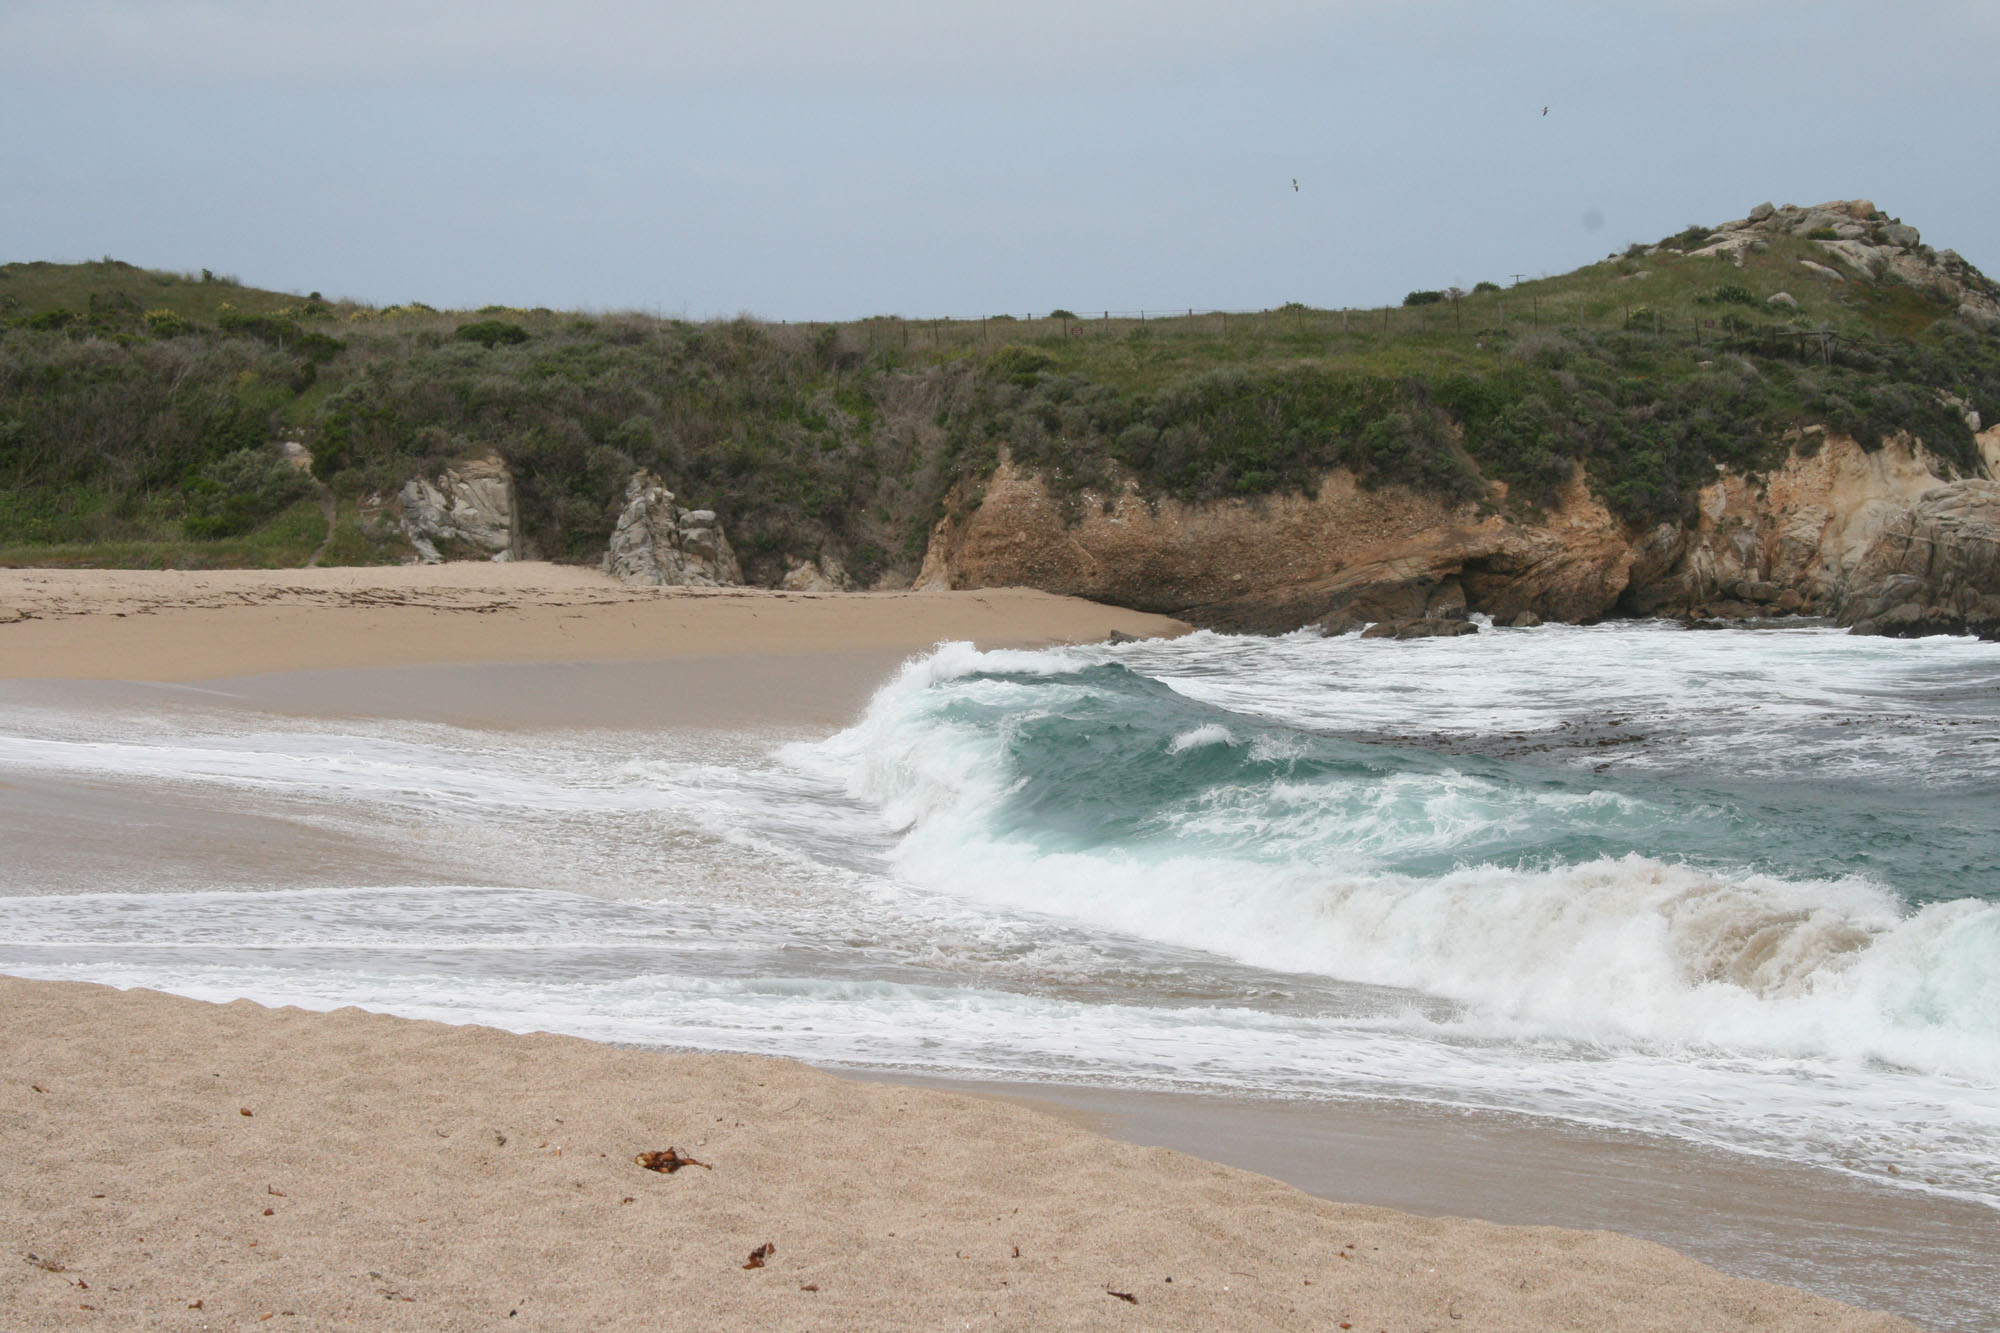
x=1739, y=888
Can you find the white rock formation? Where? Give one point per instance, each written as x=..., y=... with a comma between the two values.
x=469, y=507
x=657, y=542
x=1867, y=244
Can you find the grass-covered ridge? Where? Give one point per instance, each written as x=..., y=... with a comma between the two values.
x=138, y=409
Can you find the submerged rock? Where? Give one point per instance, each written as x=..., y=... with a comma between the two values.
x=1419, y=629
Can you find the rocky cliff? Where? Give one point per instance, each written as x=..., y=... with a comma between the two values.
x=1836, y=530
x=1934, y=569
x=1852, y=518
x=1339, y=558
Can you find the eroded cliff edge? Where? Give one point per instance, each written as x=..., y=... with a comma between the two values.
x=1891, y=539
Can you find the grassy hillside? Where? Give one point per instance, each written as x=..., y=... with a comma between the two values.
x=138, y=410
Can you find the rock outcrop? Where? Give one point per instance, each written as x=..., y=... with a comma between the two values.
x=1424, y=627
x=1787, y=541
x=1884, y=536
x=1864, y=243
x=1339, y=559
x=1934, y=568
x=658, y=542
x=466, y=512
x=826, y=574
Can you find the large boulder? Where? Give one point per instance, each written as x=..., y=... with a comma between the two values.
x=826, y=574
x=1934, y=569
x=465, y=512
x=659, y=543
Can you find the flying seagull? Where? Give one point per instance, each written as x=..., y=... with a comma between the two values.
x=1295, y=185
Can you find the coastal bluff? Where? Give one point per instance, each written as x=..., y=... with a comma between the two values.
x=1888, y=540
x=1790, y=413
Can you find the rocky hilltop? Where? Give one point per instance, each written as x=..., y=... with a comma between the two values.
x=1888, y=539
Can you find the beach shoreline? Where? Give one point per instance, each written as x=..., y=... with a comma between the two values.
x=181, y=1164
x=508, y=647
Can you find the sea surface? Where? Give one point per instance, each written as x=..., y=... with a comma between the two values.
x=1740, y=888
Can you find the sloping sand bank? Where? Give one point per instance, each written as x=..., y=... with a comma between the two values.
x=400, y=1174
x=177, y=625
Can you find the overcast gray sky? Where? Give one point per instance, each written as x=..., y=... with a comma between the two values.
x=806, y=159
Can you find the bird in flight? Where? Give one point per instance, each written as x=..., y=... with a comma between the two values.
x=1295, y=185
x=1545, y=111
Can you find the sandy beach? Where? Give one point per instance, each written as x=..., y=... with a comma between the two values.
x=78, y=624
x=177, y=1164
x=186, y=1165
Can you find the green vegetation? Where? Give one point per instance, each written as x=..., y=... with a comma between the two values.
x=284, y=542
x=492, y=333
x=138, y=410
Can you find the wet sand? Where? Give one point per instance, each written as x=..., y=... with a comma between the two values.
x=1933, y=1260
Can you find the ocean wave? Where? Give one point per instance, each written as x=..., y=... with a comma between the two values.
x=1546, y=902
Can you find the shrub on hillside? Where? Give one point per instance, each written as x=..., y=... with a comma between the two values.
x=237, y=492
x=1021, y=365
x=1423, y=298
x=492, y=333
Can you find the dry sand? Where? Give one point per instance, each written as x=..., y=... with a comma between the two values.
x=176, y=625
x=437, y=1177
x=400, y=1174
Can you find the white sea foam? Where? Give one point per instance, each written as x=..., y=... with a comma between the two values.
x=1287, y=877
x=1214, y=733
x=914, y=892
x=635, y=973
x=1701, y=700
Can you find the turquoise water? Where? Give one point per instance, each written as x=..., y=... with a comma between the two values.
x=1112, y=758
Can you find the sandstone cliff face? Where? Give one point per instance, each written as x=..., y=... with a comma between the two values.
x=826, y=574
x=1823, y=533
x=1934, y=569
x=1275, y=563
x=1801, y=529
